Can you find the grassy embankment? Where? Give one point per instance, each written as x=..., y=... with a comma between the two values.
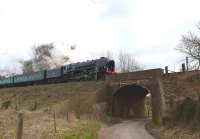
x=72, y=102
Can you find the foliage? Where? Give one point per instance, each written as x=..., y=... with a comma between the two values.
x=86, y=131
x=148, y=107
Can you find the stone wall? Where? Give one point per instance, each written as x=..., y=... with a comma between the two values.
x=179, y=86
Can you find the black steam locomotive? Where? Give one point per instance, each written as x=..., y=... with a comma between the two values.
x=88, y=70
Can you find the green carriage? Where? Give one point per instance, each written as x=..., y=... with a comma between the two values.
x=6, y=81
x=29, y=77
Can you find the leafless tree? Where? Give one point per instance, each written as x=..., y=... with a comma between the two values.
x=27, y=66
x=44, y=57
x=190, y=45
x=127, y=62
x=42, y=54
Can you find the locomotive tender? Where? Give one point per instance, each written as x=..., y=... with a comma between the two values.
x=88, y=70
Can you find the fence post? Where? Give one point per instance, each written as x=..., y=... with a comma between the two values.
x=20, y=126
x=54, y=119
x=34, y=106
x=183, y=67
x=67, y=116
x=166, y=70
x=187, y=64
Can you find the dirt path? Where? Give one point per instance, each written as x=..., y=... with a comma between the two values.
x=126, y=130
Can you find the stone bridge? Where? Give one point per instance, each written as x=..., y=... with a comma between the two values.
x=129, y=91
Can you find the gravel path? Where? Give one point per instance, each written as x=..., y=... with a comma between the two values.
x=126, y=130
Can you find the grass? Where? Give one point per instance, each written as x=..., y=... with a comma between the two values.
x=172, y=133
x=86, y=131
x=73, y=103
x=70, y=101
x=47, y=95
x=40, y=125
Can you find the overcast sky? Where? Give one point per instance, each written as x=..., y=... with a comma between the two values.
x=150, y=29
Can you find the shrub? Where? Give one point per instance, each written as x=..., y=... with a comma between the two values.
x=86, y=131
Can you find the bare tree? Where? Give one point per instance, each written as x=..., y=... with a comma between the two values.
x=127, y=62
x=44, y=57
x=27, y=66
x=42, y=54
x=190, y=45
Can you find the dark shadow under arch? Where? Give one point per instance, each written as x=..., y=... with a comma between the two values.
x=129, y=102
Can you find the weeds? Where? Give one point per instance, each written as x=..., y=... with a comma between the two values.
x=86, y=131
x=187, y=113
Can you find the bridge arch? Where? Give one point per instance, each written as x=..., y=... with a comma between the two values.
x=129, y=101
x=148, y=80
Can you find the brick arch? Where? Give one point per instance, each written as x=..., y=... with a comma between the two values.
x=152, y=88
x=148, y=79
x=146, y=88
x=128, y=101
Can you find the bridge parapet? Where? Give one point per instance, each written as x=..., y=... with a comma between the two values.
x=138, y=75
x=131, y=82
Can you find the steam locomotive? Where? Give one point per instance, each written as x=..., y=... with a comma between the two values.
x=88, y=70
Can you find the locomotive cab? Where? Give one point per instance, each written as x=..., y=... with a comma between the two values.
x=110, y=67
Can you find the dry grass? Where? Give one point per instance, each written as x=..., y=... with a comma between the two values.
x=72, y=102
x=47, y=95
x=40, y=125
x=37, y=125
x=172, y=133
x=63, y=98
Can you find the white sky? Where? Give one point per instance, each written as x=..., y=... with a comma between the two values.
x=150, y=29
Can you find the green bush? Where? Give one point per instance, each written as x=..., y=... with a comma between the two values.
x=86, y=131
x=71, y=137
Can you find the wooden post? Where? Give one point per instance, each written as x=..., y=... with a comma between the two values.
x=17, y=104
x=79, y=106
x=54, y=119
x=34, y=106
x=166, y=69
x=183, y=67
x=67, y=116
x=187, y=64
x=20, y=126
x=96, y=73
